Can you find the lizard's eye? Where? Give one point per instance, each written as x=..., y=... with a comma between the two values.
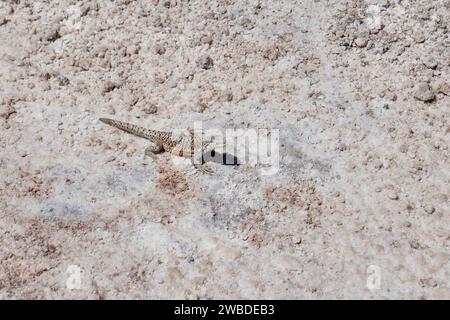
x=213, y=153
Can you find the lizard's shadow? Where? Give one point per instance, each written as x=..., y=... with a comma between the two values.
x=225, y=159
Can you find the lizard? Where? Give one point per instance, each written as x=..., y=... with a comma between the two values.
x=185, y=145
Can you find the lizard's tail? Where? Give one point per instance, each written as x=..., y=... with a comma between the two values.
x=127, y=127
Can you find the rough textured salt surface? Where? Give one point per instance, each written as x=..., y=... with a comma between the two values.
x=359, y=207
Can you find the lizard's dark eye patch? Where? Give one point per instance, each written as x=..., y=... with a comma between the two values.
x=221, y=158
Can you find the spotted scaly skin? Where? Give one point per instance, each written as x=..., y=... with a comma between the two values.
x=187, y=145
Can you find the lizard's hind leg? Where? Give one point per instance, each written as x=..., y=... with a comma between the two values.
x=154, y=149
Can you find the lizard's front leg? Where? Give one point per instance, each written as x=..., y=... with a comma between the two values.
x=154, y=149
x=204, y=168
x=197, y=161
